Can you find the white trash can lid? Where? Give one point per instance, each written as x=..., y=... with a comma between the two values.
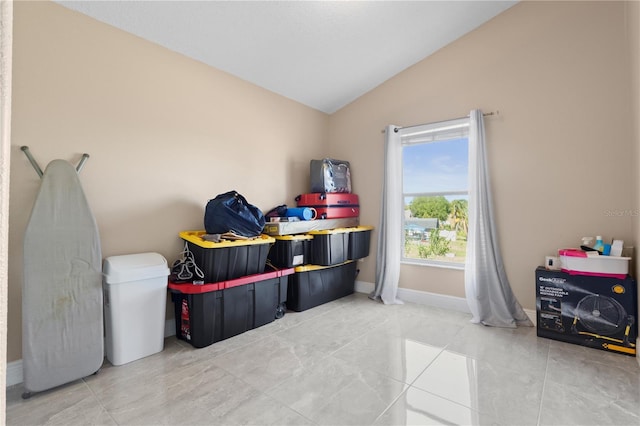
x=134, y=267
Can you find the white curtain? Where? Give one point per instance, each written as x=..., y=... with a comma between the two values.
x=487, y=288
x=389, y=236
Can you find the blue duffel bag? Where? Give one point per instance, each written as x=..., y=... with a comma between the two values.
x=230, y=212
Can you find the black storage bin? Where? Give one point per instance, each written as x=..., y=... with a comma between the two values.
x=228, y=259
x=329, y=247
x=198, y=315
x=205, y=314
x=253, y=301
x=290, y=250
x=593, y=311
x=313, y=285
x=359, y=242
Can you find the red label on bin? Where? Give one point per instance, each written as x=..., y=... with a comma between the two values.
x=185, y=328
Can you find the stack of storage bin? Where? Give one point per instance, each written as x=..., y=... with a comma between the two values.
x=237, y=295
x=324, y=261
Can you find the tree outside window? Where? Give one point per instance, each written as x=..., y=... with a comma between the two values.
x=435, y=188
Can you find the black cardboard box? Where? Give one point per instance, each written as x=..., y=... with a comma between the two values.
x=597, y=312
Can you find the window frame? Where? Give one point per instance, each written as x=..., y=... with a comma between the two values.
x=422, y=134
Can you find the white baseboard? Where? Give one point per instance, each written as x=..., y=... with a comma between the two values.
x=170, y=327
x=14, y=373
x=364, y=287
x=532, y=316
x=453, y=303
x=421, y=297
x=14, y=368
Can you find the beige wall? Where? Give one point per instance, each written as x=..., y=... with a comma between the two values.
x=559, y=152
x=165, y=134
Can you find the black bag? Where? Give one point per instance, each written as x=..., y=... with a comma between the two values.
x=279, y=211
x=230, y=212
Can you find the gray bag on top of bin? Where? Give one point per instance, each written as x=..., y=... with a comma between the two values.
x=230, y=212
x=329, y=175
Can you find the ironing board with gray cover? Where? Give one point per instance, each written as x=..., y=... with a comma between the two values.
x=62, y=313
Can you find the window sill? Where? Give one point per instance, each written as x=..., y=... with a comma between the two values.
x=445, y=265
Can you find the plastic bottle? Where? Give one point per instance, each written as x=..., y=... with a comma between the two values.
x=599, y=244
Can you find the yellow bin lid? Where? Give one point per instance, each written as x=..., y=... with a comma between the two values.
x=293, y=237
x=307, y=268
x=195, y=237
x=361, y=228
x=329, y=231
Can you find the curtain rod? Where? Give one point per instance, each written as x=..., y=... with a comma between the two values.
x=485, y=114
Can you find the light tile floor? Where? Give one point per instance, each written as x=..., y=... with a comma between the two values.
x=354, y=362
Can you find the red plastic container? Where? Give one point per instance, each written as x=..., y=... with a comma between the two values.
x=331, y=205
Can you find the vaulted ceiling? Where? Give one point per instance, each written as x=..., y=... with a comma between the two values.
x=323, y=54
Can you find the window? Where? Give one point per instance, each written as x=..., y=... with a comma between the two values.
x=435, y=165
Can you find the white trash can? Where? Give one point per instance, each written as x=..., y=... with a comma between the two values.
x=135, y=298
